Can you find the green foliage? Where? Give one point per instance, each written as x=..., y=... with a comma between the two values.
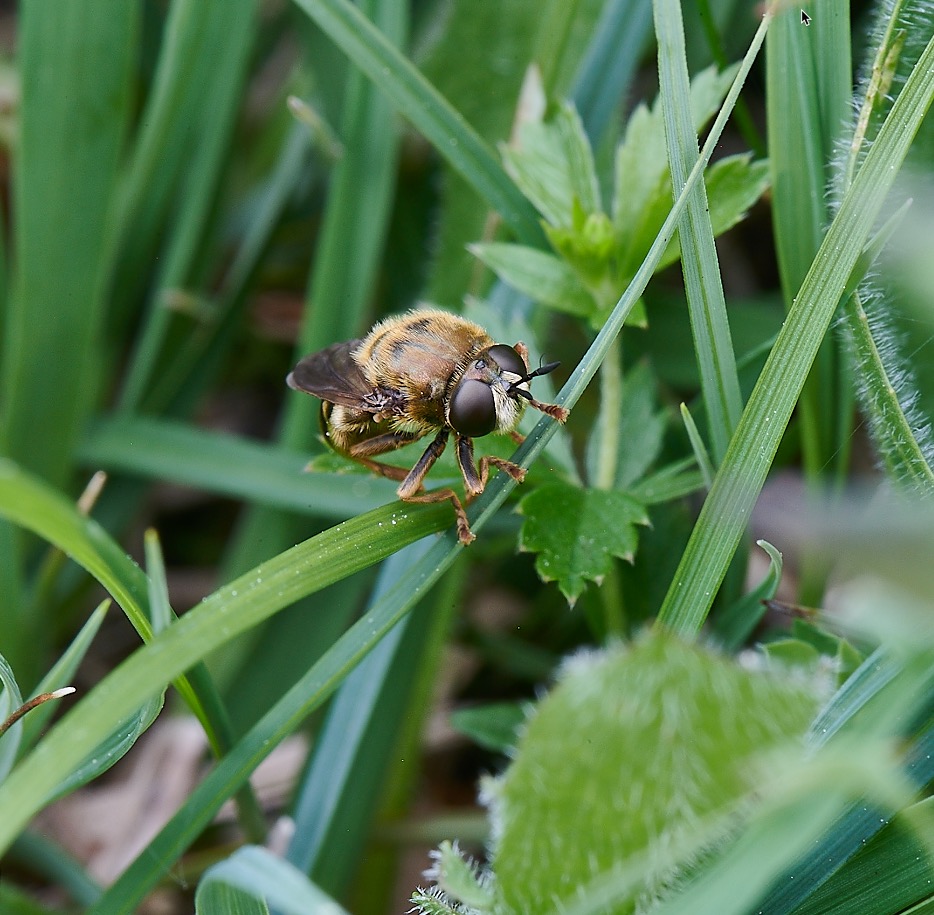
x=563, y=820
x=595, y=253
x=575, y=533
x=163, y=208
x=245, y=882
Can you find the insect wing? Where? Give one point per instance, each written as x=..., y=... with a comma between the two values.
x=332, y=375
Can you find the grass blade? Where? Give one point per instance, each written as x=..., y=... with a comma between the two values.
x=229, y=465
x=244, y=603
x=77, y=64
x=429, y=112
x=706, y=304
x=737, y=485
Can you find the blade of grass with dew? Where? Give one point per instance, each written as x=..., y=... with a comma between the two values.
x=230, y=465
x=217, y=90
x=737, y=485
x=245, y=602
x=889, y=874
x=703, y=286
x=417, y=100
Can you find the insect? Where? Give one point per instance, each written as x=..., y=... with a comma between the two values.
x=423, y=372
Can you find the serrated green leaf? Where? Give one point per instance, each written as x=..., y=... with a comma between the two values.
x=577, y=532
x=579, y=156
x=553, y=166
x=543, y=277
x=642, y=160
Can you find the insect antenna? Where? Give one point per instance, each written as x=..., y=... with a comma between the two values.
x=553, y=410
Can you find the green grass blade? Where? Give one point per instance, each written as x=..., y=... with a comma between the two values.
x=706, y=304
x=228, y=32
x=76, y=63
x=229, y=465
x=43, y=856
x=197, y=81
x=737, y=485
x=29, y=503
x=310, y=566
x=416, y=99
x=796, y=148
x=61, y=673
x=808, y=91
x=183, y=381
x=619, y=38
x=889, y=874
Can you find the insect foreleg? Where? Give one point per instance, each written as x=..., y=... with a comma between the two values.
x=474, y=481
x=409, y=490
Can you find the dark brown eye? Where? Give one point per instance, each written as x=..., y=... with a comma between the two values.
x=473, y=412
x=507, y=359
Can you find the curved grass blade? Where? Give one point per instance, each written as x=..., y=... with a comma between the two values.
x=252, y=598
x=263, y=875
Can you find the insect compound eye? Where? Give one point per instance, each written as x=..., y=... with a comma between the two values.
x=473, y=411
x=507, y=359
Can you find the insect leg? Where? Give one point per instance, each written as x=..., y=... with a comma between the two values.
x=474, y=481
x=361, y=452
x=380, y=444
x=413, y=480
x=409, y=490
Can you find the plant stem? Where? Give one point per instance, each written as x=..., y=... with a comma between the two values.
x=611, y=402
